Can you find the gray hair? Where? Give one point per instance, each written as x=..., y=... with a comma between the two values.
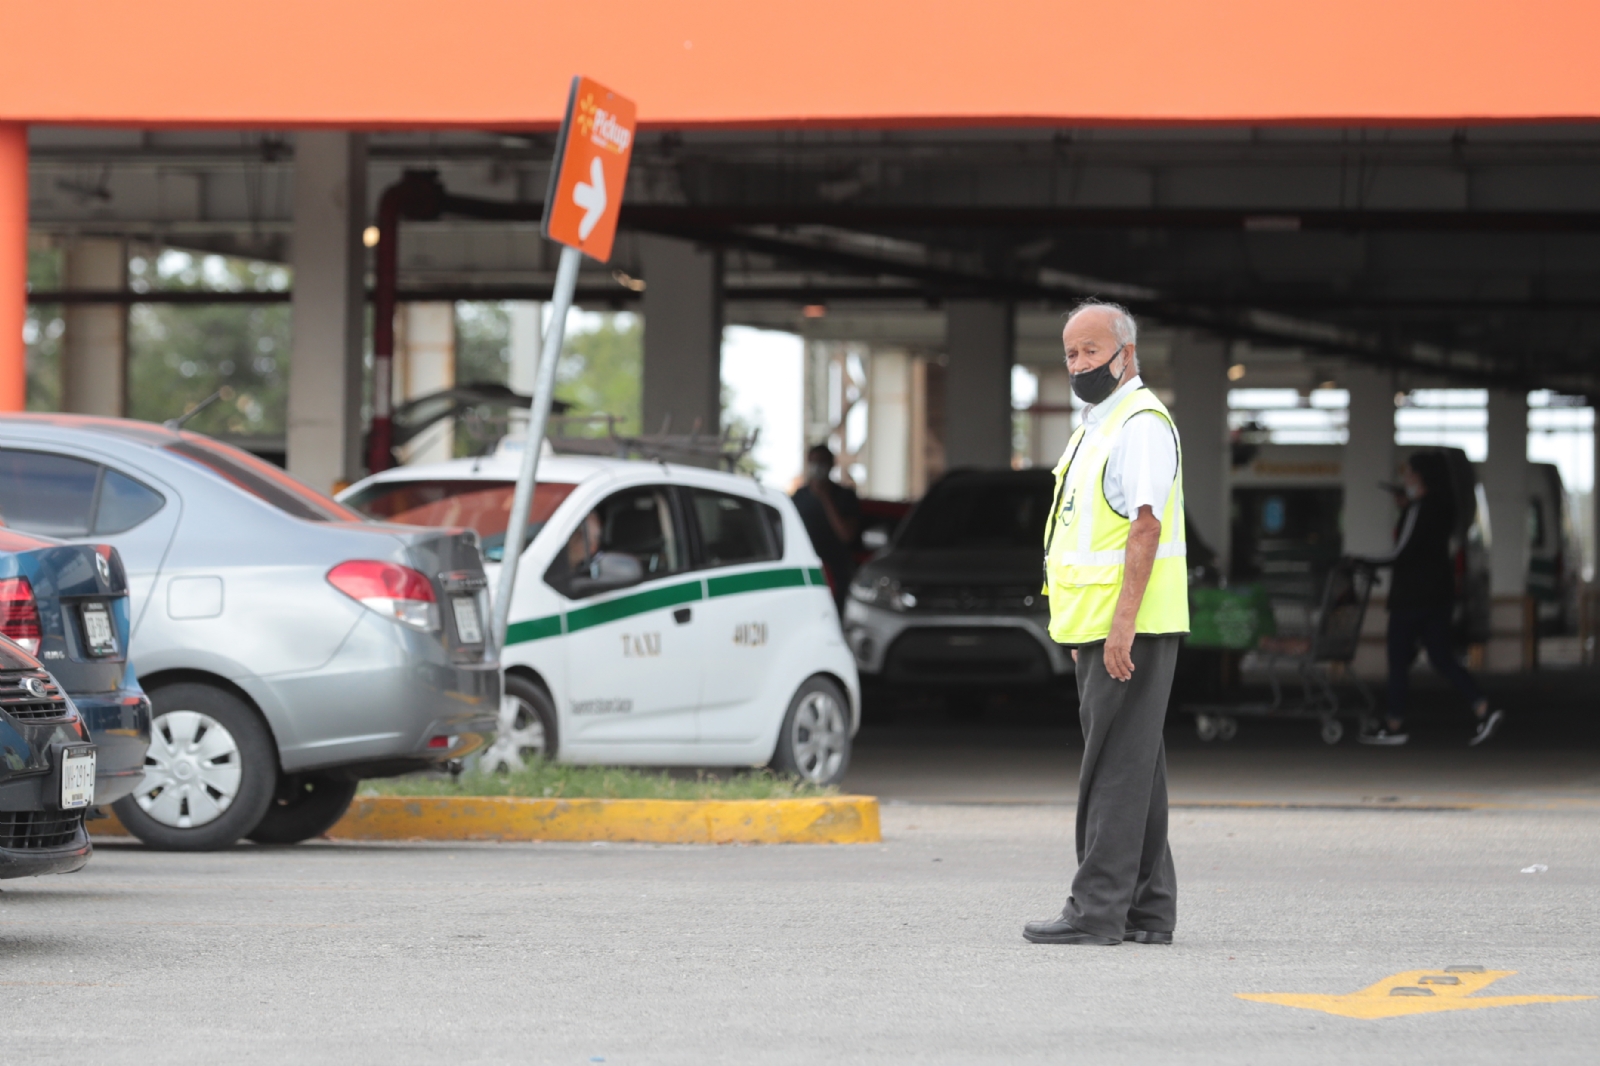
x=1123, y=326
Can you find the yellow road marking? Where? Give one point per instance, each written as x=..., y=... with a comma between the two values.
x=1411, y=992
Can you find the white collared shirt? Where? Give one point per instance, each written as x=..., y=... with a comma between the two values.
x=1143, y=465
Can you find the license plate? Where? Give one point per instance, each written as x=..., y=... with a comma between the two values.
x=467, y=627
x=102, y=639
x=77, y=779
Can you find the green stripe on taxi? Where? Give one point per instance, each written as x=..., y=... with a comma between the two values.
x=657, y=598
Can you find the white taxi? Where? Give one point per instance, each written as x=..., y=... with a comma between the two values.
x=663, y=615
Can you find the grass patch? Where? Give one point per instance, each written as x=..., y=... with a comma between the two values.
x=562, y=781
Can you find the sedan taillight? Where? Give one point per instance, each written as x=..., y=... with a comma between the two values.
x=394, y=591
x=19, y=614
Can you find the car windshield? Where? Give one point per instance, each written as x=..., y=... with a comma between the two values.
x=481, y=505
x=981, y=513
x=260, y=479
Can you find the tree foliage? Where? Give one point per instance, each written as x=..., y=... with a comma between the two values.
x=600, y=370
x=180, y=354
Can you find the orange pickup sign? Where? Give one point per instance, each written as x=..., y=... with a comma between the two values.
x=591, y=169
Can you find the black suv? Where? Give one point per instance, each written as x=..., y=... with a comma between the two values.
x=46, y=771
x=956, y=597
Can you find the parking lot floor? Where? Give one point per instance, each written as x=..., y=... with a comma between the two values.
x=908, y=951
x=1281, y=768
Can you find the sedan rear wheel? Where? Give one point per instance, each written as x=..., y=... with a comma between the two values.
x=209, y=774
x=814, y=744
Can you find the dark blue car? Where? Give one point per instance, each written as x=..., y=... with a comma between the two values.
x=46, y=771
x=66, y=606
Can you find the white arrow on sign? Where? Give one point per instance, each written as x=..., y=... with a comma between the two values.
x=591, y=196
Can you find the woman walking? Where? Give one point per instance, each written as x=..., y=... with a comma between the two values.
x=1421, y=594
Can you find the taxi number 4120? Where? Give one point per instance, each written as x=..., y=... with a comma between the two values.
x=750, y=634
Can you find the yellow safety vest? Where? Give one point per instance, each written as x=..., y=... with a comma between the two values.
x=1085, y=540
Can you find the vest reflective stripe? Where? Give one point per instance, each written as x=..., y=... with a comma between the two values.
x=1114, y=558
x=1086, y=541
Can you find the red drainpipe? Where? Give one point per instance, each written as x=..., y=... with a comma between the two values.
x=417, y=195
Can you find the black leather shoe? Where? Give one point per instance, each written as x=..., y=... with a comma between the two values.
x=1058, y=930
x=1147, y=936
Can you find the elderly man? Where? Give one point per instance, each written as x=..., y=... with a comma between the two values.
x=1116, y=576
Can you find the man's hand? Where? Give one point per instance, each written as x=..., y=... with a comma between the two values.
x=843, y=528
x=1119, y=651
x=1143, y=536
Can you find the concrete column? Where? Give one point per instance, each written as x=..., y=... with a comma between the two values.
x=682, y=336
x=890, y=420
x=979, y=336
x=1369, y=458
x=920, y=460
x=13, y=265
x=1200, y=408
x=325, y=362
x=817, y=387
x=94, y=346
x=1052, y=422
x=1594, y=501
x=527, y=341
x=425, y=362
x=1505, y=483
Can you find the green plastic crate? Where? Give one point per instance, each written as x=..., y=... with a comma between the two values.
x=1233, y=618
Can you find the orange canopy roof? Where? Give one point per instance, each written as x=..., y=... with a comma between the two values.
x=693, y=63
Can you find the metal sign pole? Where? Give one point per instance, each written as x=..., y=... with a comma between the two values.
x=538, y=416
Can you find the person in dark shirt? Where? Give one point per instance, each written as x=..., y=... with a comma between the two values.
x=832, y=515
x=1421, y=594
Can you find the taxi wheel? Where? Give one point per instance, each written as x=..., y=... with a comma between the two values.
x=304, y=806
x=814, y=744
x=528, y=732
x=209, y=775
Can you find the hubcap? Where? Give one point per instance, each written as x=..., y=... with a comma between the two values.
x=191, y=772
x=520, y=739
x=820, y=736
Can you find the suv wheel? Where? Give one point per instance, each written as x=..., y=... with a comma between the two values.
x=209, y=775
x=814, y=744
x=527, y=728
x=304, y=806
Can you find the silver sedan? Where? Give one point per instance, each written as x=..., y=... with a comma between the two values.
x=290, y=646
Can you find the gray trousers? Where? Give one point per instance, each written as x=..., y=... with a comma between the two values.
x=1125, y=878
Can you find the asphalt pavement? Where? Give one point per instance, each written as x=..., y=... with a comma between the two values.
x=908, y=951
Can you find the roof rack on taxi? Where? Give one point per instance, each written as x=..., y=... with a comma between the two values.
x=597, y=435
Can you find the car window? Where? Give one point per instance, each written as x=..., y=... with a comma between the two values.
x=481, y=505
x=61, y=496
x=261, y=479
x=49, y=494
x=733, y=529
x=636, y=522
x=979, y=513
x=124, y=503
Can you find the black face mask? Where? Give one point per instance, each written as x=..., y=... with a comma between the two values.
x=1095, y=385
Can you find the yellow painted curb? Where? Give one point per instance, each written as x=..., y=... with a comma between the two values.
x=109, y=826
x=823, y=820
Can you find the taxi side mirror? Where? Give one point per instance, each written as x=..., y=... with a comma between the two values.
x=608, y=571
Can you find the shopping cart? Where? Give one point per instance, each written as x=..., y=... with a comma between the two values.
x=1303, y=660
